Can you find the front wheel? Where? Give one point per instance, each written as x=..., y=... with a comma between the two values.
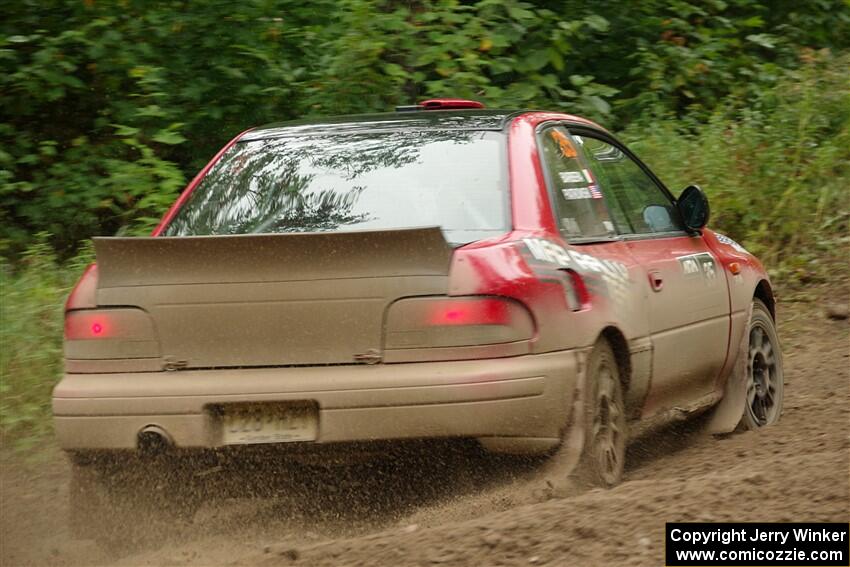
x=765, y=384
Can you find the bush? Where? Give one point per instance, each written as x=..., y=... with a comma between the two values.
x=776, y=172
x=106, y=108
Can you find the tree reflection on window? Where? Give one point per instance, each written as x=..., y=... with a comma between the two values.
x=454, y=179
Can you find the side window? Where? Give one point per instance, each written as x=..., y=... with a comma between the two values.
x=638, y=205
x=580, y=207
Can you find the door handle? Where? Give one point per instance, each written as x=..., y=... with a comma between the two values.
x=655, y=280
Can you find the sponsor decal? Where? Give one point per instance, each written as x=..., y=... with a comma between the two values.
x=571, y=176
x=595, y=193
x=709, y=267
x=614, y=275
x=570, y=225
x=576, y=193
x=723, y=239
x=567, y=149
x=689, y=265
x=699, y=265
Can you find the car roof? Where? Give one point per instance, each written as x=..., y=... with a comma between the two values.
x=414, y=120
x=494, y=120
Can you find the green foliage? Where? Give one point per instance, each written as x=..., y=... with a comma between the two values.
x=777, y=177
x=107, y=108
x=32, y=297
x=99, y=100
x=687, y=57
x=508, y=53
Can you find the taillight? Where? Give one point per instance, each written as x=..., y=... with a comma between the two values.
x=94, y=336
x=453, y=312
x=84, y=325
x=457, y=325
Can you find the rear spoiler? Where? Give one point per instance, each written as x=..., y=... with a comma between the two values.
x=164, y=260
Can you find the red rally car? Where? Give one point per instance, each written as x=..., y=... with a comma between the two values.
x=444, y=271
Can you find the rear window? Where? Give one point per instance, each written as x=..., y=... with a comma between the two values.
x=362, y=181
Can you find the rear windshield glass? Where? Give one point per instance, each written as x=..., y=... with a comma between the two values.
x=362, y=181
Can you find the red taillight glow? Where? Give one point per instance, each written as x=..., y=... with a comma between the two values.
x=96, y=338
x=82, y=325
x=446, y=323
x=470, y=312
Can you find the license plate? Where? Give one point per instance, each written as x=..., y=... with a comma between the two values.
x=269, y=423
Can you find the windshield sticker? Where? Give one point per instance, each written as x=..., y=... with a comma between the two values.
x=570, y=225
x=567, y=149
x=576, y=193
x=571, y=176
x=595, y=193
x=723, y=239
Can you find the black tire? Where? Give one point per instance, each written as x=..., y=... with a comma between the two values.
x=605, y=428
x=765, y=386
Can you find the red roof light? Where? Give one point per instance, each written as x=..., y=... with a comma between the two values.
x=443, y=104
x=449, y=104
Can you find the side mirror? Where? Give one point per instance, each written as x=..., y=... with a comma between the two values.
x=693, y=208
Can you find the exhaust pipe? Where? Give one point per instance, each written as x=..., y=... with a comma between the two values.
x=153, y=440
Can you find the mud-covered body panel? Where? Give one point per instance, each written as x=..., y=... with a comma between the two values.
x=514, y=397
x=270, y=300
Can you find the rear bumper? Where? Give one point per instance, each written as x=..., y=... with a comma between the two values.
x=518, y=397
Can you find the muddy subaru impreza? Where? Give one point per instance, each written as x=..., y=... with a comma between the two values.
x=444, y=271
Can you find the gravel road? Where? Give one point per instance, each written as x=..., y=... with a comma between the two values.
x=437, y=505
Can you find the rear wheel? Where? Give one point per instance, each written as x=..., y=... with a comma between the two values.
x=593, y=448
x=604, y=452
x=764, y=379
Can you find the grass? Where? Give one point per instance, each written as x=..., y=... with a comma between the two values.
x=32, y=295
x=776, y=172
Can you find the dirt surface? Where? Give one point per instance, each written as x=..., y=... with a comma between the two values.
x=438, y=505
